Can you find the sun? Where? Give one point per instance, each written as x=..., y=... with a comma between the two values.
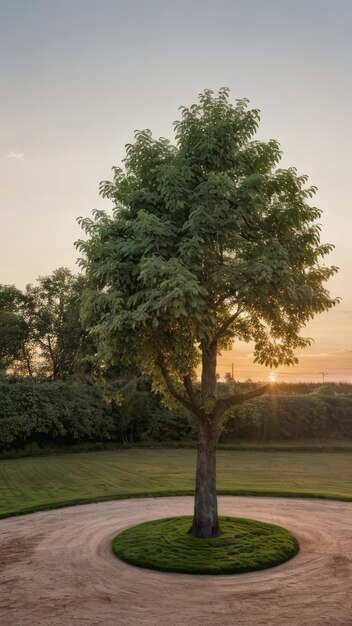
x=272, y=377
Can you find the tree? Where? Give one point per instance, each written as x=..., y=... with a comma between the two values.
x=15, y=331
x=55, y=323
x=41, y=334
x=208, y=241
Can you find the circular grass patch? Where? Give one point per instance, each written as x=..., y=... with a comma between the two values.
x=244, y=545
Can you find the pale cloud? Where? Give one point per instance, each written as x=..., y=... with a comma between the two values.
x=15, y=155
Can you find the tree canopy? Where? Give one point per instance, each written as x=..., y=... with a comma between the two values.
x=56, y=322
x=41, y=333
x=14, y=328
x=208, y=241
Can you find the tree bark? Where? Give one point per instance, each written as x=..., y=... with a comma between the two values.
x=205, y=521
x=209, y=354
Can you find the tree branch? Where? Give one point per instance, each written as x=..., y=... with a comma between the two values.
x=226, y=324
x=187, y=381
x=52, y=356
x=223, y=404
x=188, y=404
x=26, y=358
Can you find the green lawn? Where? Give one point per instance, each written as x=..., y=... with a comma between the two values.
x=45, y=482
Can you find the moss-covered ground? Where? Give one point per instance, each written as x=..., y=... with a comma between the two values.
x=244, y=545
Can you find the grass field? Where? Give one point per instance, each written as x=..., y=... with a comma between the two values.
x=47, y=482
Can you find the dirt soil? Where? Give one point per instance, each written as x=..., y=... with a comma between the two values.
x=57, y=568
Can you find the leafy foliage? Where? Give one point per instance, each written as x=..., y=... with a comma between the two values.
x=55, y=321
x=320, y=415
x=41, y=334
x=63, y=413
x=208, y=241
x=15, y=331
x=52, y=411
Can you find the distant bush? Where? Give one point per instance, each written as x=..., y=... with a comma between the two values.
x=52, y=411
x=317, y=415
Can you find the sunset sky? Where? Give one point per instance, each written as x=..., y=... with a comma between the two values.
x=78, y=76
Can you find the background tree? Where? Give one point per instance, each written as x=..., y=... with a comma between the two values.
x=208, y=242
x=15, y=331
x=61, y=343
x=41, y=334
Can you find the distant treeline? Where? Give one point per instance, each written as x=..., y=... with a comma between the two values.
x=66, y=412
x=324, y=413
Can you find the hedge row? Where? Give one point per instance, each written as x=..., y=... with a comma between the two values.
x=274, y=417
x=65, y=413
x=62, y=412
x=52, y=411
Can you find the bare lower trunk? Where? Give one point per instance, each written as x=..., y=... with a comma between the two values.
x=205, y=521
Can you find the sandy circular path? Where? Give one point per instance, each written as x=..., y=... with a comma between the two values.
x=56, y=567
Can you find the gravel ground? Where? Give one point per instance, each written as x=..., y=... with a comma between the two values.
x=57, y=568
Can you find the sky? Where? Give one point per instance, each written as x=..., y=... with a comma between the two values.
x=77, y=77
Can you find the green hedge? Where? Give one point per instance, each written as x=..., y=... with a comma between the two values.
x=275, y=417
x=52, y=411
x=64, y=413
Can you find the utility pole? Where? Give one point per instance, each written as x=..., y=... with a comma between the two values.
x=232, y=371
x=323, y=375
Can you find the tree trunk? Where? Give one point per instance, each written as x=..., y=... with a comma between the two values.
x=205, y=521
x=27, y=360
x=209, y=354
x=207, y=415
